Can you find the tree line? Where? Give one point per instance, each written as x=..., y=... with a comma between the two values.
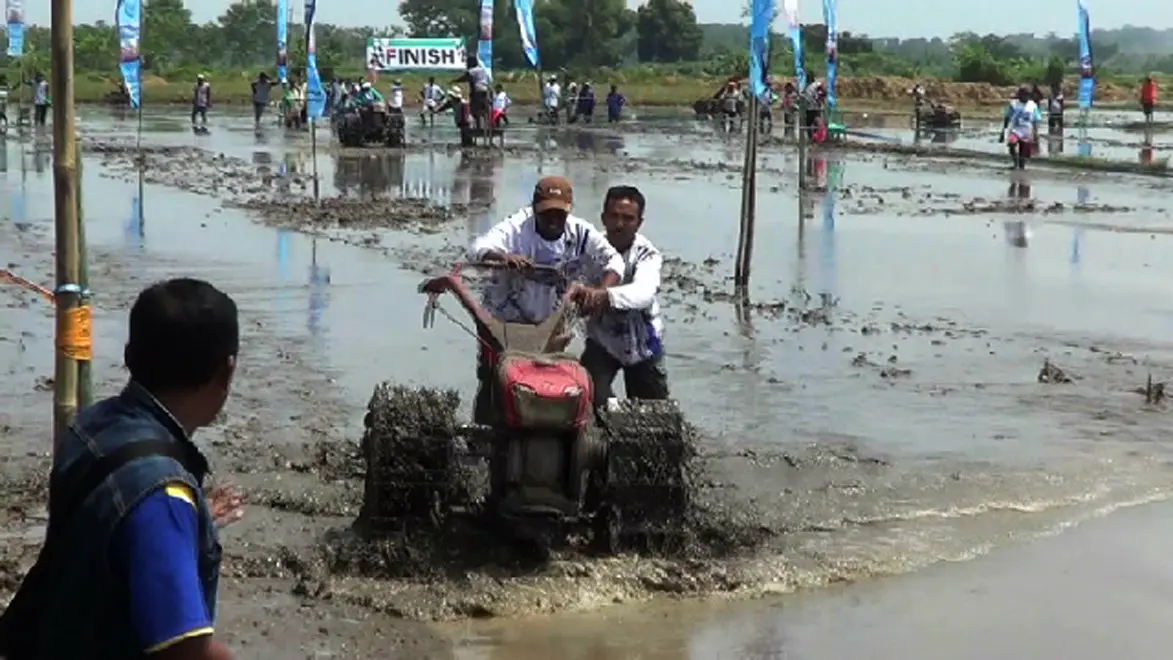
x=662, y=36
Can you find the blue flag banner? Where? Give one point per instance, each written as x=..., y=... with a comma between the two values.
x=1087, y=76
x=761, y=15
x=830, y=7
x=529, y=38
x=485, y=44
x=791, y=10
x=128, y=17
x=14, y=13
x=315, y=102
x=282, y=39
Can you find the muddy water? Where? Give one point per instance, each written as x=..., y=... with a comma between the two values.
x=895, y=423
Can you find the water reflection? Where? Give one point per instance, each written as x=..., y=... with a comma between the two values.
x=1019, y=192
x=370, y=175
x=134, y=230
x=42, y=153
x=3, y=153
x=319, y=282
x=1055, y=144
x=827, y=256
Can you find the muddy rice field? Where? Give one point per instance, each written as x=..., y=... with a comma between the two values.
x=940, y=357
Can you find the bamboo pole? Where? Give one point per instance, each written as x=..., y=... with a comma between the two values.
x=85, y=379
x=739, y=265
x=65, y=191
x=754, y=123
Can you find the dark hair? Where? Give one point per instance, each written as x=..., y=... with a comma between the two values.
x=630, y=193
x=182, y=333
x=473, y=61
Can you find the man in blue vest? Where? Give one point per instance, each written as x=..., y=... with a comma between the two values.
x=132, y=550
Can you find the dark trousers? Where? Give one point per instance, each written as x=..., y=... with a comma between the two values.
x=201, y=112
x=42, y=113
x=259, y=111
x=647, y=380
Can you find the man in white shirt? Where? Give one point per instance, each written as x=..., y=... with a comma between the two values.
x=625, y=331
x=1020, y=127
x=542, y=233
x=551, y=96
x=501, y=103
x=395, y=101
x=432, y=95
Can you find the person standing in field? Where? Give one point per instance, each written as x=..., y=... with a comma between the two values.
x=432, y=96
x=261, y=88
x=479, y=102
x=501, y=103
x=615, y=103
x=1148, y=97
x=131, y=561
x=551, y=96
x=201, y=100
x=1020, y=127
x=625, y=331
x=41, y=102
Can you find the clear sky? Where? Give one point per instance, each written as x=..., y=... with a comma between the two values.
x=879, y=18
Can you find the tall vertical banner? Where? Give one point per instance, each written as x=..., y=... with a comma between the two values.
x=282, y=40
x=128, y=17
x=529, y=37
x=830, y=8
x=760, y=17
x=485, y=43
x=1087, y=79
x=790, y=8
x=315, y=102
x=14, y=15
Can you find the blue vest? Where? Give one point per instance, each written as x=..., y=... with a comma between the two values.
x=88, y=604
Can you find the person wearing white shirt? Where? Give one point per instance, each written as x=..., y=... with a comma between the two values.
x=1020, y=127
x=625, y=332
x=501, y=103
x=542, y=233
x=395, y=101
x=551, y=96
x=432, y=95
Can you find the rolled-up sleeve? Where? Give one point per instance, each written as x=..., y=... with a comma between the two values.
x=641, y=292
x=600, y=250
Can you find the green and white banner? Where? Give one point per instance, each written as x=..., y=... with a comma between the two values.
x=405, y=54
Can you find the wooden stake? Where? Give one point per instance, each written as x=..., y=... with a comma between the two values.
x=65, y=190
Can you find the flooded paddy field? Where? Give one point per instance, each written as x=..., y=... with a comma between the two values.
x=876, y=406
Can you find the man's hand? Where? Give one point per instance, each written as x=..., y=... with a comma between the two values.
x=591, y=300
x=227, y=506
x=516, y=261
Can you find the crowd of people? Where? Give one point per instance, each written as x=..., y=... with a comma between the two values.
x=131, y=562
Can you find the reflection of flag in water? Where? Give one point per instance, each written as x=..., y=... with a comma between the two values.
x=319, y=280
x=1084, y=150
x=1076, y=239
x=134, y=224
x=827, y=256
x=283, y=238
x=18, y=207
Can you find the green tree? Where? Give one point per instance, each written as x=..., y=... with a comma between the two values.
x=166, y=34
x=248, y=33
x=668, y=32
x=440, y=18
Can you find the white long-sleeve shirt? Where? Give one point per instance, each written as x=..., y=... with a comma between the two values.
x=582, y=249
x=632, y=330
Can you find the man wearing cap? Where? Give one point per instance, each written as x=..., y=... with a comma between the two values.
x=543, y=233
x=201, y=100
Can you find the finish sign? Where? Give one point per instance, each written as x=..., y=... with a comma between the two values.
x=401, y=54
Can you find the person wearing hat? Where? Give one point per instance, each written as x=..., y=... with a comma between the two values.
x=201, y=100
x=544, y=232
x=368, y=95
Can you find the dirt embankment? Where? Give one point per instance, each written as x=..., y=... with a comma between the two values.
x=882, y=90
